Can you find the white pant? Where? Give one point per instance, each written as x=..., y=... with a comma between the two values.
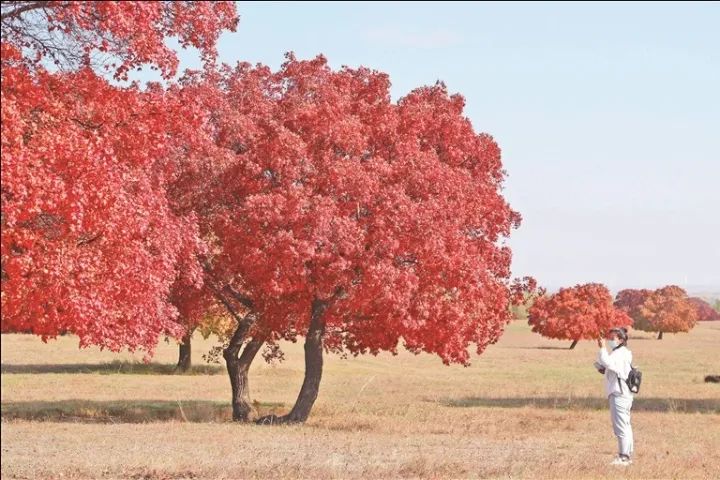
x=620, y=406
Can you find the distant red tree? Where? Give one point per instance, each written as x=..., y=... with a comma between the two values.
x=630, y=300
x=667, y=310
x=705, y=311
x=583, y=312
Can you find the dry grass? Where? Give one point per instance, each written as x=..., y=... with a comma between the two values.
x=528, y=408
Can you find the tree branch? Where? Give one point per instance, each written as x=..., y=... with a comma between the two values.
x=22, y=9
x=239, y=297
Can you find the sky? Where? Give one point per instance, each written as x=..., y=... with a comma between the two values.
x=608, y=116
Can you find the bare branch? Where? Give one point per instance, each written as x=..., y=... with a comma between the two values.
x=22, y=9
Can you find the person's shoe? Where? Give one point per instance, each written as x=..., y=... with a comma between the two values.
x=621, y=461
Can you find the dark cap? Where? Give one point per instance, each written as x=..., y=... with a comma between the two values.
x=621, y=332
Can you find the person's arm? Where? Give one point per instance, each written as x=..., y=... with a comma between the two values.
x=599, y=367
x=606, y=360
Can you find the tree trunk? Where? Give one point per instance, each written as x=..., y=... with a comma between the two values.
x=185, y=353
x=574, y=343
x=313, y=370
x=660, y=335
x=237, y=367
x=238, y=370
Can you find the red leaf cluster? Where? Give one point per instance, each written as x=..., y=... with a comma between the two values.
x=630, y=300
x=582, y=312
x=93, y=236
x=118, y=35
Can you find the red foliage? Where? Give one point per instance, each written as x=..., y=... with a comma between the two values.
x=630, y=300
x=523, y=288
x=705, y=312
x=120, y=35
x=92, y=239
x=667, y=310
x=334, y=193
x=90, y=244
x=583, y=312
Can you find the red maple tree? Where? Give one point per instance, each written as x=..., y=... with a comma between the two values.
x=91, y=243
x=630, y=300
x=667, y=310
x=582, y=312
x=333, y=219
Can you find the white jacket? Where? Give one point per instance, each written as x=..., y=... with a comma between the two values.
x=617, y=365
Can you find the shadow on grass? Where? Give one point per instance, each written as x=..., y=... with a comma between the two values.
x=135, y=411
x=545, y=347
x=682, y=405
x=115, y=367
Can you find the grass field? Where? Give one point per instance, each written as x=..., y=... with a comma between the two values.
x=527, y=408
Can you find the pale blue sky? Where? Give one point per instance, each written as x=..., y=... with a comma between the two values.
x=608, y=116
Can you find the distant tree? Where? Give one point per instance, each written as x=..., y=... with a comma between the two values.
x=197, y=309
x=705, y=312
x=520, y=312
x=582, y=312
x=630, y=300
x=667, y=310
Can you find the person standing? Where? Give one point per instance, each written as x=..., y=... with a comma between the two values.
x=616, y=366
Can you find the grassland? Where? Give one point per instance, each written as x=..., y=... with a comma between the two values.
x=527, y=408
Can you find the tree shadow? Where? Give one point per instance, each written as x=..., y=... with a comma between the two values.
x=115, y=367
x=642, y=404
x=543, y=347
x=132, y=411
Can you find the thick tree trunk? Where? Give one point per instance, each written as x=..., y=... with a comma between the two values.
x=238, y=366
x=313, y=370
x=185, y=354
x=660, y=335
x=241, y=392
x=574, y=343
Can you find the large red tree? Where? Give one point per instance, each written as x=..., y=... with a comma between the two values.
x=582, y=312
x=356, y=221
x=91, y=243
